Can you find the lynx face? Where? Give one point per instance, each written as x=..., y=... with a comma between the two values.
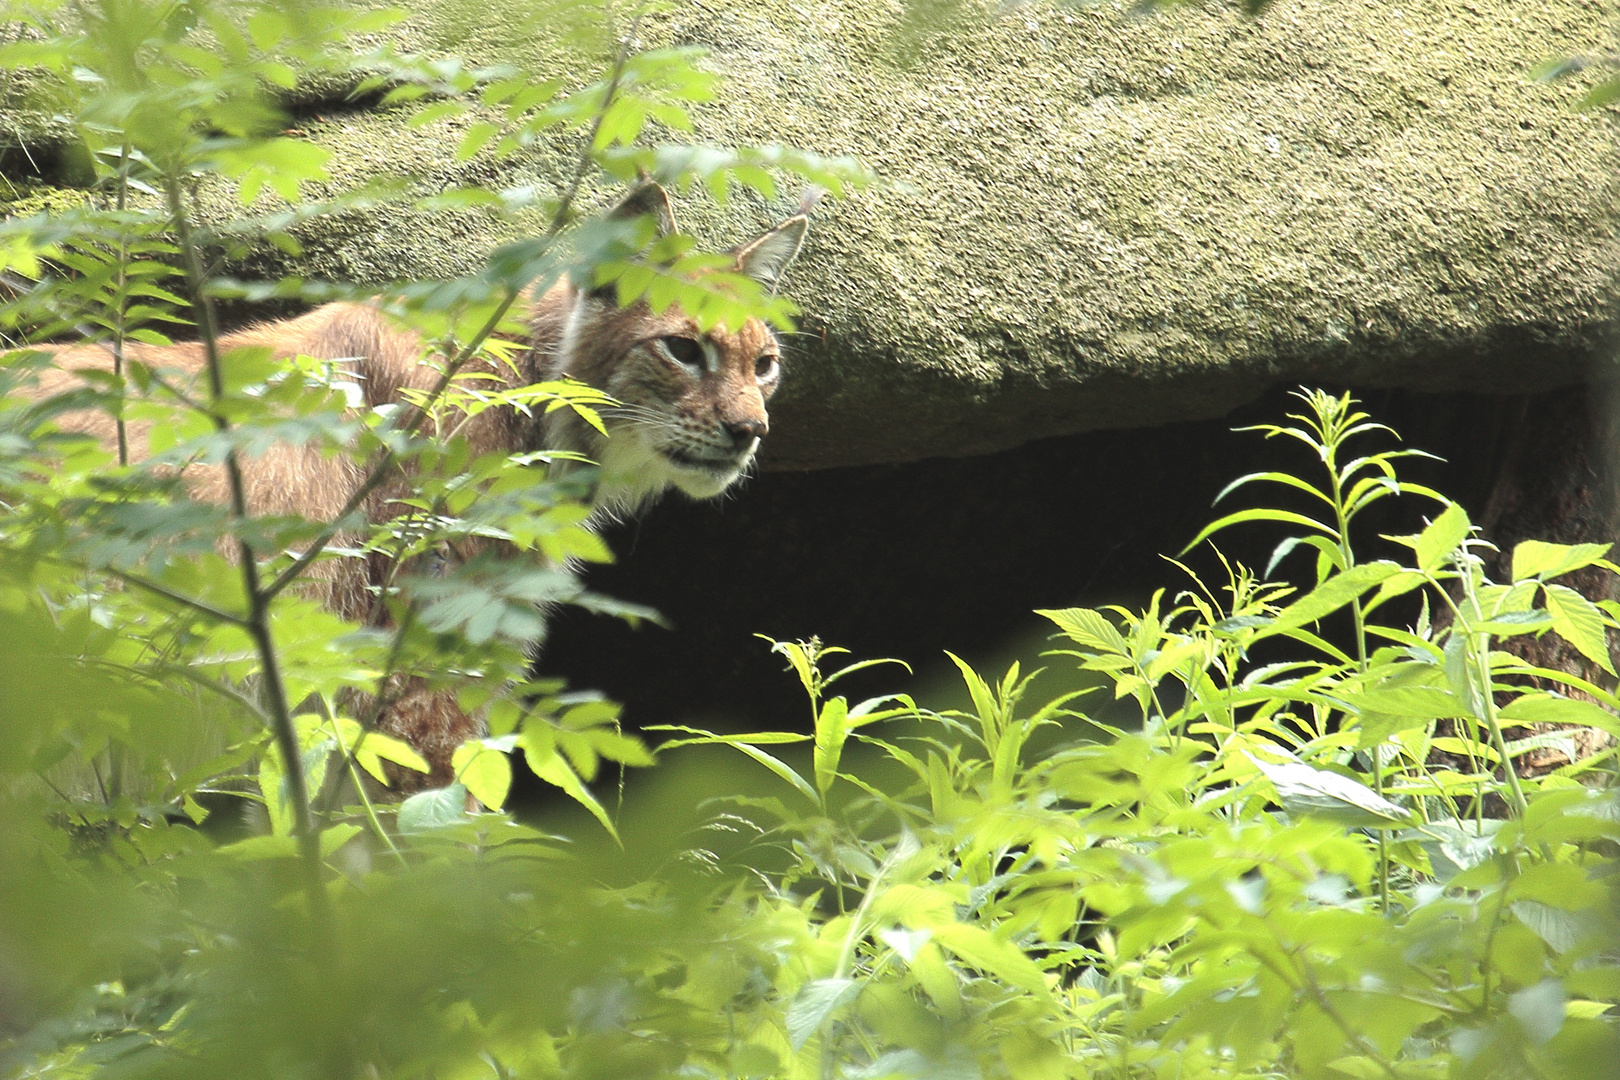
x=691, y=409
x=691, y=404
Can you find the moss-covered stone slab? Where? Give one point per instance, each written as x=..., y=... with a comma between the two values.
x=1097, y=219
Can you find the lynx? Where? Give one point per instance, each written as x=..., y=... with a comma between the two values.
x=689, y=415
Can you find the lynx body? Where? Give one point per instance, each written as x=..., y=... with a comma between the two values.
x=690, y=413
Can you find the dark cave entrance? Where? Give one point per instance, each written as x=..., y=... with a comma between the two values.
x=911, y=560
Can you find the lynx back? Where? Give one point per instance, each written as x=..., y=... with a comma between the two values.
x=689, y=413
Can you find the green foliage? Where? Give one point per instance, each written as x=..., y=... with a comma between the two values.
x=1273, y=874
x=1271, y=877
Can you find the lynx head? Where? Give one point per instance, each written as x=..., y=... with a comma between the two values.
x=691, y=404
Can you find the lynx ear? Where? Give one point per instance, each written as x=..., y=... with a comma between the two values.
x=650, y=199
x=765, y=257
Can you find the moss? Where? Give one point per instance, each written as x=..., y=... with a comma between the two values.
x=1100, y=220
x=20, y=199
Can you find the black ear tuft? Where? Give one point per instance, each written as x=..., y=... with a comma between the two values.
x=765, y=257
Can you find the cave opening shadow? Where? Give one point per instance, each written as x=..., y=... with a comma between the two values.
x=909, y=561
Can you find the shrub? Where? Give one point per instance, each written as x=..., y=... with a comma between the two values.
x=1270, y=875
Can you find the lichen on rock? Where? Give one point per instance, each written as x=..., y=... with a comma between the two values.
x=1095, y=219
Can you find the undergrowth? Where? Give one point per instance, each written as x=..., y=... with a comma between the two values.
x=1272, y=875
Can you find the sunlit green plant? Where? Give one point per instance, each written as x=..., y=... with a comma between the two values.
x=1272, y=875
x=1270, y=878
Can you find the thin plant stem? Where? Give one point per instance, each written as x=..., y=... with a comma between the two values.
x=119, y=329
x=257, y=622
x=360, y=787
x=1332, y=433
x=379, y=703
x=1480, y=646
x=198, y=606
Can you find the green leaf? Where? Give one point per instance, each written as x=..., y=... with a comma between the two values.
x=1089, y=628
x=1305, y=791
x=1539, y=559
x=746, y=744
x=485, y=771
x=255, y=848
x=1029, y=1056
x=375, y=747
x=1539, y=1010
x=1383, y=712
x=1548, y=708
x=1559, y=885
x=861, y=665
x=546, y=763
x=814, y=1004
x=780, y=768
x=272, y=785
x=335, y=837
x=799, y=658
x=1441, y=538
x=428, y=810
x=757, y=738
x=1287, y=517
x=1561, y=930
x=992, y=955
x=1273, y=477
x=476, y=138
x=1604, y=93
x=984, y=701
x=831, y=731
x=1332, y=594
x=1579, y=622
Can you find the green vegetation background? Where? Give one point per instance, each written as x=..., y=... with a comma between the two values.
x=1319, y=865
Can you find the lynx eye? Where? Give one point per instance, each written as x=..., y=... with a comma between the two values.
x=764, y=366
x=687, y=353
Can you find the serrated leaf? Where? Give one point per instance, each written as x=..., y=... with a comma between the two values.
x=831, y=731
x=434, y=809
x=745, y=744
x=477, y=136
x=1548, y=708
x=1287, y=517
x=1578, y=621
x=814, y=1004
x=1089, y=628
x=546, y=763
x=1539, y=559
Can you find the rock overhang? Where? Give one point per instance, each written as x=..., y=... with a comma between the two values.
x=1094, y=219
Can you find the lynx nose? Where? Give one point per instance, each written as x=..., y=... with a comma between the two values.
x=743, y=432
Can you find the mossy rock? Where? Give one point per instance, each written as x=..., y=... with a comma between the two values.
x=1098, y=219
